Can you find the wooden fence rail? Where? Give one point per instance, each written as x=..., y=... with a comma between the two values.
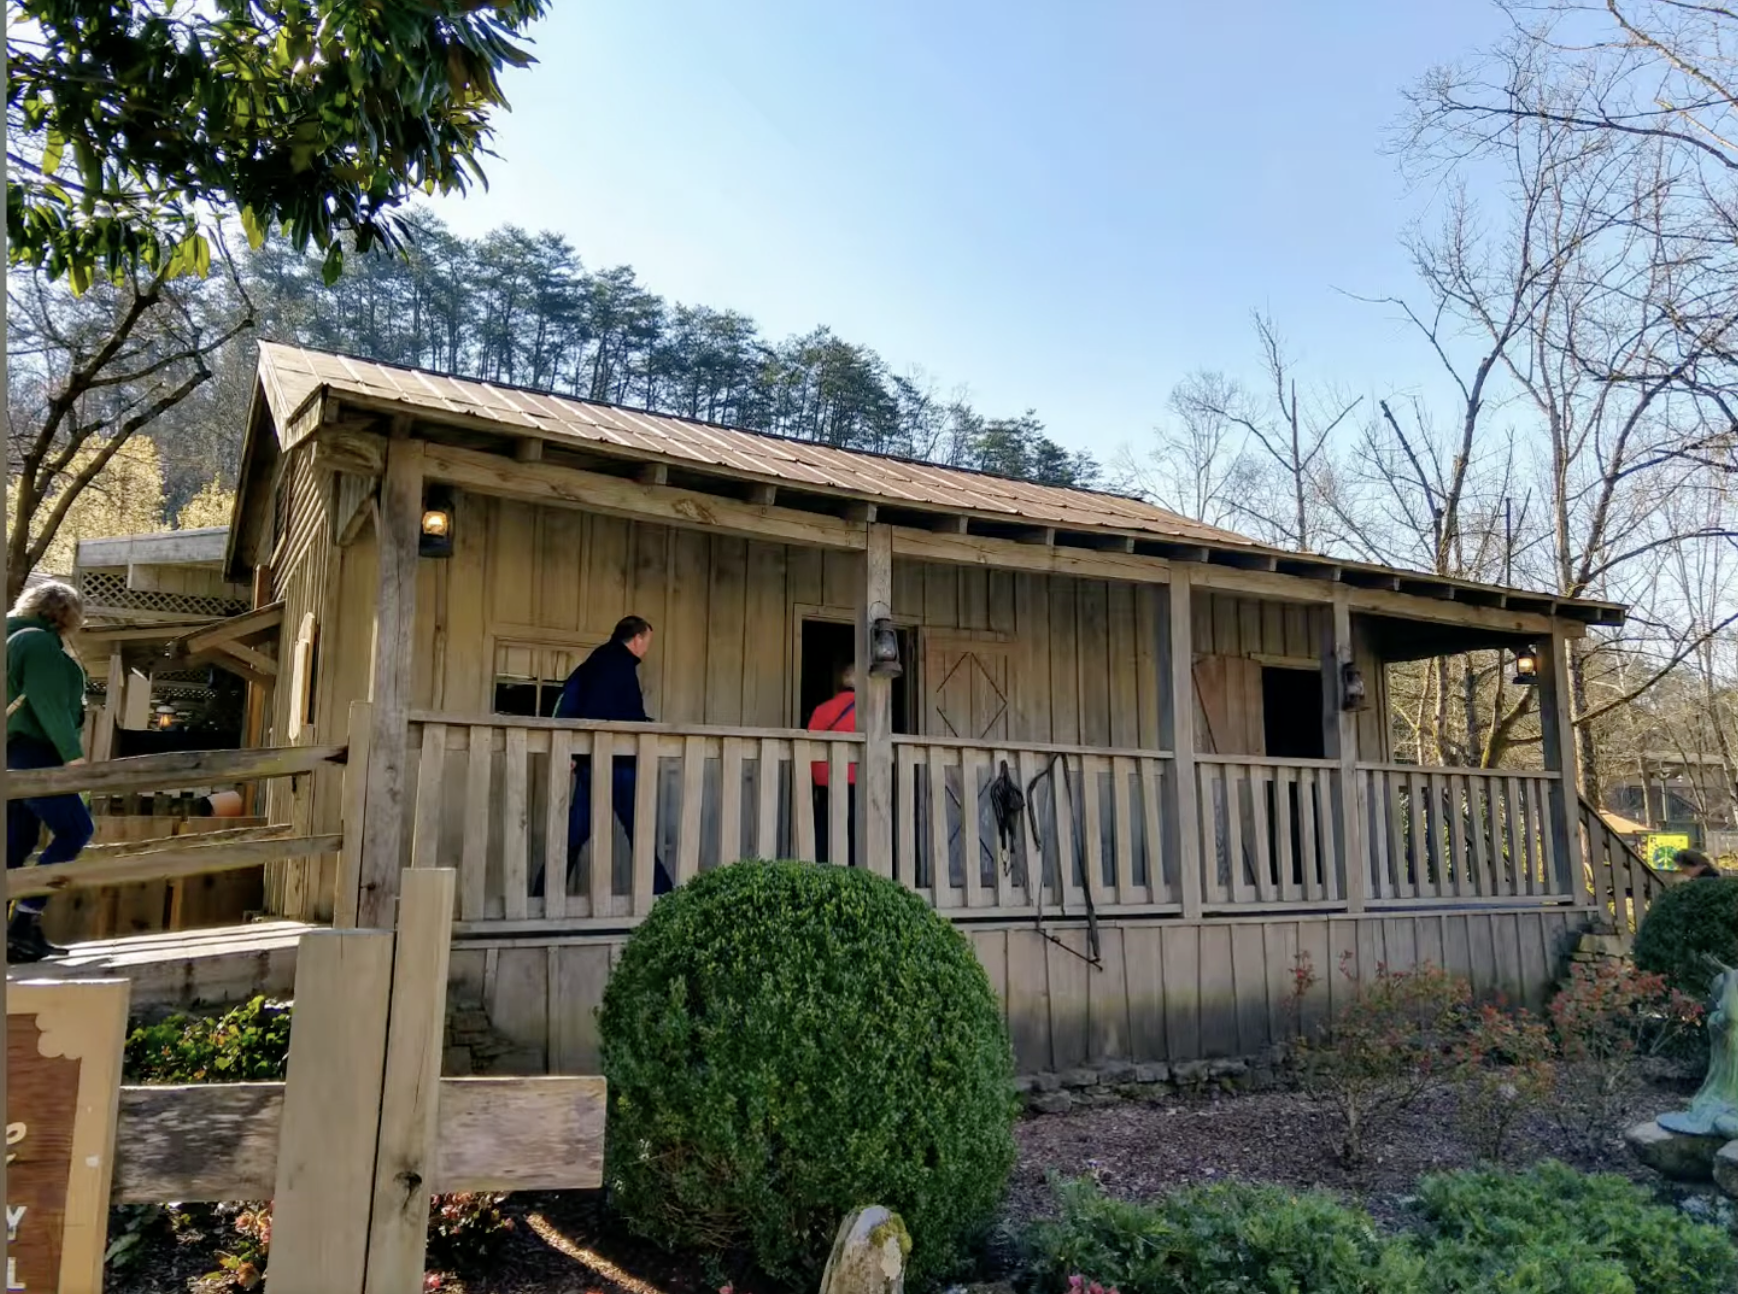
x=172, y=771
x=1623, y=885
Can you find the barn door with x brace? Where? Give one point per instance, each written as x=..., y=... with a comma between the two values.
x=967, y=697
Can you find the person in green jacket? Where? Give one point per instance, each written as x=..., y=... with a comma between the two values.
x=44, y=716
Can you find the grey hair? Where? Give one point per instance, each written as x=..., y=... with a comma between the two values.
x=53, y=601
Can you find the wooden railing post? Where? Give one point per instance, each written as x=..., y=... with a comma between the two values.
x=1177, y=722
x=349, y=894
x=874, y=715
x=1340, y=727
x=1559, y=734
x=394, y=627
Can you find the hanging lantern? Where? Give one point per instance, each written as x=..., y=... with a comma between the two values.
x=436, y=539
x=1527, y=666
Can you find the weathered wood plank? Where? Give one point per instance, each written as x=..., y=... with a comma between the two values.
x=331, y=1111
x=557, y=800
x=164, y=864
x=515, y=883
x=693, y=800
x=645, y=823
x=474, y=859
x=175, y=770
x=410, y=1094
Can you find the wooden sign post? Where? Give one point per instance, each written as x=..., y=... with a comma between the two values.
x=63, y=1068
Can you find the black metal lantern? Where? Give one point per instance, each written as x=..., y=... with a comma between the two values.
x=1351, y=687
x=1527, y=666
x=436, y=536
x=883, y=645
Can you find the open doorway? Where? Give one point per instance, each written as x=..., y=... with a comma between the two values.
x=1291, y=707
x=830, y=645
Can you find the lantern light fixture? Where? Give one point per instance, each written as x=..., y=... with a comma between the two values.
x=883, y=644
x=1527, y=666
x=1351, y=686
x=436, y=537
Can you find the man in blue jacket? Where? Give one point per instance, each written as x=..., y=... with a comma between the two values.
x=606, y=687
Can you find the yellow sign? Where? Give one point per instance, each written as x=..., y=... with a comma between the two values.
x=1661, y=851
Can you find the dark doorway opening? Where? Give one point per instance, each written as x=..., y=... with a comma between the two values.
x=1292, y=720
x=830, y=645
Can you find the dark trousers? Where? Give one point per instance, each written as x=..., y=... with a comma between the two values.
x=823, y=824
x=623, y=780
x=68, y=821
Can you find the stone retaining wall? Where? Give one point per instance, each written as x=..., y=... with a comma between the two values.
x=1087, y=1088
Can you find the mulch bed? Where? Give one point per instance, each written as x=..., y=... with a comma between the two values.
x=564, y=1244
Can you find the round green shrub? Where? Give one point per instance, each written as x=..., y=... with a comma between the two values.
x=1690, y=923
x=786, y=1042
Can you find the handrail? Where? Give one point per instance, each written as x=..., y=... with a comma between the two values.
x=1592, y=816
x=1033, y=747
x=1456, y=770
x=165, y=864
x=172, y=771
x=599, y=725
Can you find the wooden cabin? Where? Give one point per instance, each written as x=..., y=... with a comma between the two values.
x=1197, y=724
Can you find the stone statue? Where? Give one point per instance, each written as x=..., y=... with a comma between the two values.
x=1714, y=1111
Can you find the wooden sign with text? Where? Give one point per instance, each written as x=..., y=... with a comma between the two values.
x=63, y=1069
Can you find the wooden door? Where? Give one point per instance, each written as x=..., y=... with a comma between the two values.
x=966, y=698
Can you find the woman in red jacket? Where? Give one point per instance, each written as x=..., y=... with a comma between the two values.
x=836, y=715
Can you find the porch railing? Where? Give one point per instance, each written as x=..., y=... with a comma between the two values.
x=1460, y=835
x=1267, y=832
x=493, y=797
x=1090, y=819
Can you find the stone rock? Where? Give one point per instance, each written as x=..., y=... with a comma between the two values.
x=868, y=1255
x=1680, y=1156
x=1221, y=1069
x=1079, y=1078
x=1046, y=1082
x=1158, y=1073
x=1053, y=1103
x=1726, y=1168
x=1190, y=1073
x=1025, y=1084
x=1116, y=1072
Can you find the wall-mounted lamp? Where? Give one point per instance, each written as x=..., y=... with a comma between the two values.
x=883, y=644
x=436, y=537
x=1351, y=687
x=1527, y=666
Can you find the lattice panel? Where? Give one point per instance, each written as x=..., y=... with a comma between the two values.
x=103, y=590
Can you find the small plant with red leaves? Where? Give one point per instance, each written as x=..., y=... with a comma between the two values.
x=1507, y=1069
x=1394, y=1040
x=1078, y=1284
x=1607, y=1021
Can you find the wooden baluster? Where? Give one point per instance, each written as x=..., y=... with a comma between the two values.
x=693, y=802
x=474, y=866
x=803, y=757
x=1242, y=887
x=426, y=839
x=906, y=864
x=645, y=846
x=515, y=884
x=558, y=798
x=1159, y=888
x=1551, y=879
x=603, y=824
x=1122, y=770
x=1259, y=780
x=1067, y=860
x=1287, y=810
x=1091, y=826
x=971, y=860
x=839, y=794
x=941, y=873
x=1309, y=857
x=766, y=823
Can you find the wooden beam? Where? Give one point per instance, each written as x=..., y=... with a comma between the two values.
x=559, y=486
x=874, y=715
x=1178, y=729
x=410, y=1099
x=354, y=523
x=164, y=864
x=394, y=628
x=340, y=450
x=331, y=1111
x=862, y=514
x=133, y=848
x=762, y=495
x=653, y=474
x=258, y=662
x=1005, y=554
x=174, y=771
x=219, y=1141
x=1349, y=803
x=528, y=449
x=1556, y=721
x=248, y=624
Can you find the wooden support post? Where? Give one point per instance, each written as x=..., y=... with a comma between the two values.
x=114, y=696
x=347, y=900
x=1340, y=735
x=394, y=627
x=1557, y=724
x=410, y=1101
x=874, y=714
x=326, y=1141
x=1178, y=723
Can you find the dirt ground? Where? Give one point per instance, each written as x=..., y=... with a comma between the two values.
x=564, y=1244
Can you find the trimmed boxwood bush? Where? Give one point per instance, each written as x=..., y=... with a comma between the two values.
x=1557, y=1231
x=1226, y=1237
x=786, y=1042
x=1691, y=922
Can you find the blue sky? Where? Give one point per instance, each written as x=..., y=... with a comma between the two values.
x=1064, y=206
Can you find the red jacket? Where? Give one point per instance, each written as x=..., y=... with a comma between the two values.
x=837, y=715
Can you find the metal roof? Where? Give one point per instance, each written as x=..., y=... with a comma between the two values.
x=291, y=374
x=291, y=377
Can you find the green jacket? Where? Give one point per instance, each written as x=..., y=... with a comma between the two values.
x=39, y=668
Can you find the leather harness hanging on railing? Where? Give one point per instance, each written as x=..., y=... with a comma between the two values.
x=1007, y=803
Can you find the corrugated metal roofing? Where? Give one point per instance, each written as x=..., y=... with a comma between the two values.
x=290, y=375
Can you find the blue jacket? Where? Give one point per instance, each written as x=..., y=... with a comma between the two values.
x=606, y=687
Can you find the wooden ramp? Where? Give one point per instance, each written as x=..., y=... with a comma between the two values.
x=185, y=968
